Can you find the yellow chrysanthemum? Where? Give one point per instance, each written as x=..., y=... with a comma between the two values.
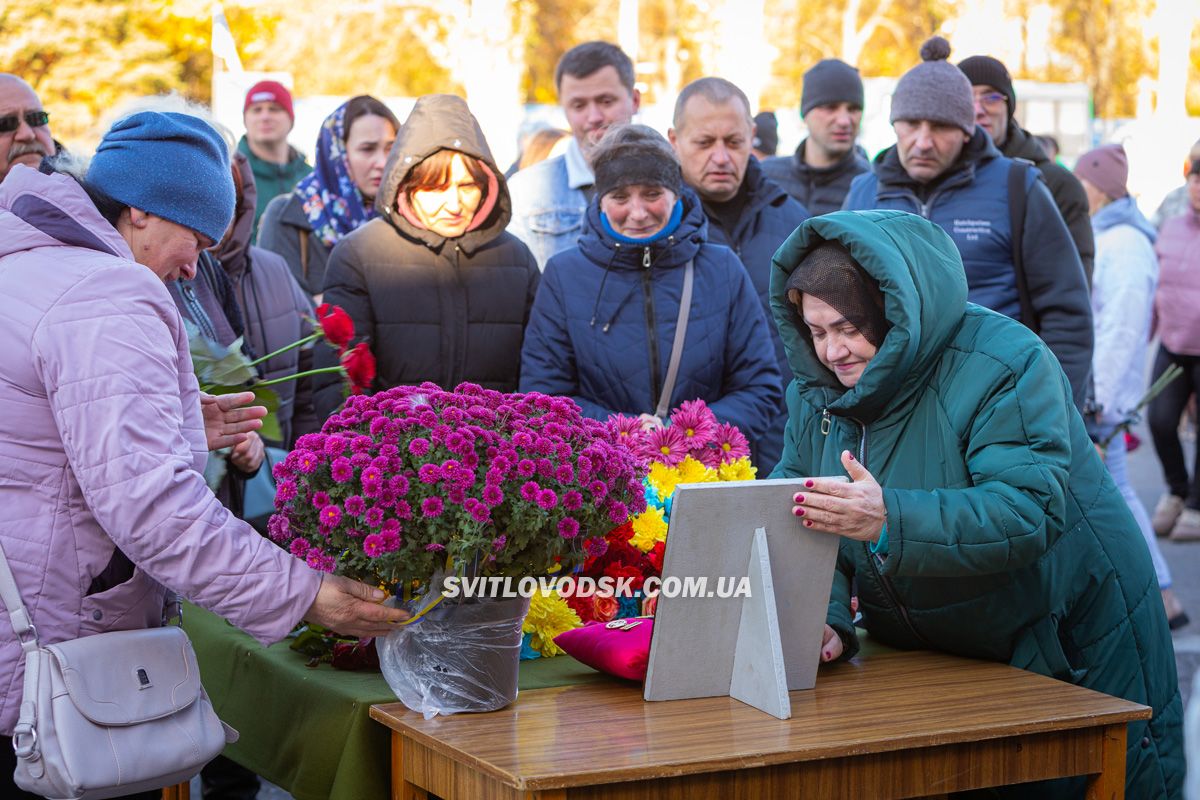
x=663, y=479
x=692, y=471
x=740, y=470
x=649, y=527
x=549, y=615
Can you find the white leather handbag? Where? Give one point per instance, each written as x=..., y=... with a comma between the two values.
x=110, y=714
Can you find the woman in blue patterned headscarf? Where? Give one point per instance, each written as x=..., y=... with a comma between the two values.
x=337, y=196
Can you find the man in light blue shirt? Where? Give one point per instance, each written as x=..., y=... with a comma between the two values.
x=595, y=83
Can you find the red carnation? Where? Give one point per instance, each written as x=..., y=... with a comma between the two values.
x=655, y=556
x=336, y=325
x=359, y=364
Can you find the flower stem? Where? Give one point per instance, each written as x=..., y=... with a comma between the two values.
x=305, y=374
x=292, y=346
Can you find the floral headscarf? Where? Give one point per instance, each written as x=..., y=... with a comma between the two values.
x=331, y=200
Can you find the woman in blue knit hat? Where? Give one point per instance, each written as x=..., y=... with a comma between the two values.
x=103, y=431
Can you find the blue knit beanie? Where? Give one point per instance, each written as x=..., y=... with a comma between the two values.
x=174, y=166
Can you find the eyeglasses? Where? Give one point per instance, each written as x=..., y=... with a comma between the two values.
x=991, y=100
x=35, y=119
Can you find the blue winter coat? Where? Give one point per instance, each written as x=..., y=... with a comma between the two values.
x=970, y=202
x=767, y=221
x=603, y=325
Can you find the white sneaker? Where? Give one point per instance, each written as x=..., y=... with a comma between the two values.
x=1187, y=529
x=1166, y=514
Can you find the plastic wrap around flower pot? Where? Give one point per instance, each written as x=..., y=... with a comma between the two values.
x=459, y=657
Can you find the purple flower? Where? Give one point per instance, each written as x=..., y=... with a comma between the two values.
x=306, y=462
x=529, y=491
x=360, y=460
x=284, y=491
x=354, y=505
x=499, y=542
x=320, y=562
x=320, y=500
x=374, y=517
x=456, y=495
x=564, y=474
x=378, y=426
x=335, y=445
x=618, y=512
x=298, y=548
x=568, y=528
x=457, y=443
x=399, y=484
x=429, y=473
x=478, y=511
x=547, y=499
x=526, y=467
x=493, y=495
x=330, y=515
x=596, y=546
x=434, y=547
x=373, y=545
x=341, y=470
x=403, y=509
x=598, y=489
x=432, y=507
x=572, y=500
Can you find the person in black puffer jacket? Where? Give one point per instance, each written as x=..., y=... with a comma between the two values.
x=435, y=285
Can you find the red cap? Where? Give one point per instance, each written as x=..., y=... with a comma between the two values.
x=270, y=92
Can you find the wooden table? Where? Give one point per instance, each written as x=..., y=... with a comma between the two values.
x=893, y=725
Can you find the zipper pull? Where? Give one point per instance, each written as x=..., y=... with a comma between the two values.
x=826, y=422
x=646, y=257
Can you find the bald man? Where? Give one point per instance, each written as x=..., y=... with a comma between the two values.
x=24, y=126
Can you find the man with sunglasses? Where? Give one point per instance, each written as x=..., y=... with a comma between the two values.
x=24, y=126
x=995, y=106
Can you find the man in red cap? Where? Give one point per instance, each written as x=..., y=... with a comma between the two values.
x=277, y=166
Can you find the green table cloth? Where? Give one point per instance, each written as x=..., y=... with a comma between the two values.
x=307, y=729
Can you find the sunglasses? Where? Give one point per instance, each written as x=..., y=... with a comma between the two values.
x=35, y=119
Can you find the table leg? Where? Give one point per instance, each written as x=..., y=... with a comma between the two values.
x=180, y=791
x=1110, y=783
x=402, y=789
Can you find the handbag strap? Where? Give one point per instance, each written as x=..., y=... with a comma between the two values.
x=17, y=613
x=685, y=307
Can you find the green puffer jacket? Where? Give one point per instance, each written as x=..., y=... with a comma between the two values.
x=1007, y=540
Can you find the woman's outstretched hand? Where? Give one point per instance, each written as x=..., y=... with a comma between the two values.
x=226, y=422
x=854, y=510
x=353, y=609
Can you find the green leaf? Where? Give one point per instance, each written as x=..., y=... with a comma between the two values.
x=265, y=396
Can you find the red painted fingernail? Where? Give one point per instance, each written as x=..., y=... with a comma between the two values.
x=809, y=484
x=800, y=512
x=851, y=458
x=799, y=498
x=807, y=523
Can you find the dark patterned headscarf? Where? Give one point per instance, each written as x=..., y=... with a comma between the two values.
x=332, y=202
x=831, y=274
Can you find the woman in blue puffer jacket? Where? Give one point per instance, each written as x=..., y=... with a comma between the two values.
x=602, y=329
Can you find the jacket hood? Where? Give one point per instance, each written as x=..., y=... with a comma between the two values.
x=1123, y=212
x=925, y=294
x=674, y=250
x=232, y=251
x=39, y=210
x=1019, y=144
x=442, y=122
x=976, y=152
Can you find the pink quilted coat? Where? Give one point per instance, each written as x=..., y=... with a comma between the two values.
x=101, y=440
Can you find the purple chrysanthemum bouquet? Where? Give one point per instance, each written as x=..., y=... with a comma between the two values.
x=416, y=480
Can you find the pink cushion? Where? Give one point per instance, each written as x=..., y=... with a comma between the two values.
x=623, y=653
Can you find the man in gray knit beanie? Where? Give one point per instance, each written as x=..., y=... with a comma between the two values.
x=1017, y=253
x=933, y=113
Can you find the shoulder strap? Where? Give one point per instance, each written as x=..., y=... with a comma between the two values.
x=17, y=614
x=304, y=253
x=685, y=307
x=1017, y=171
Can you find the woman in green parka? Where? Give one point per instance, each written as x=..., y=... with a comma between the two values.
x=979, y=519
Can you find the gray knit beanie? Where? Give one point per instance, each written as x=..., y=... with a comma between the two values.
x=830, y=81
x=633, y=154
x=935, y=90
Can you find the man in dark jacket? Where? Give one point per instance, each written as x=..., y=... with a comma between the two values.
x=947, y=170
x=995, y=106
x=818, y=175
x=712, y=134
